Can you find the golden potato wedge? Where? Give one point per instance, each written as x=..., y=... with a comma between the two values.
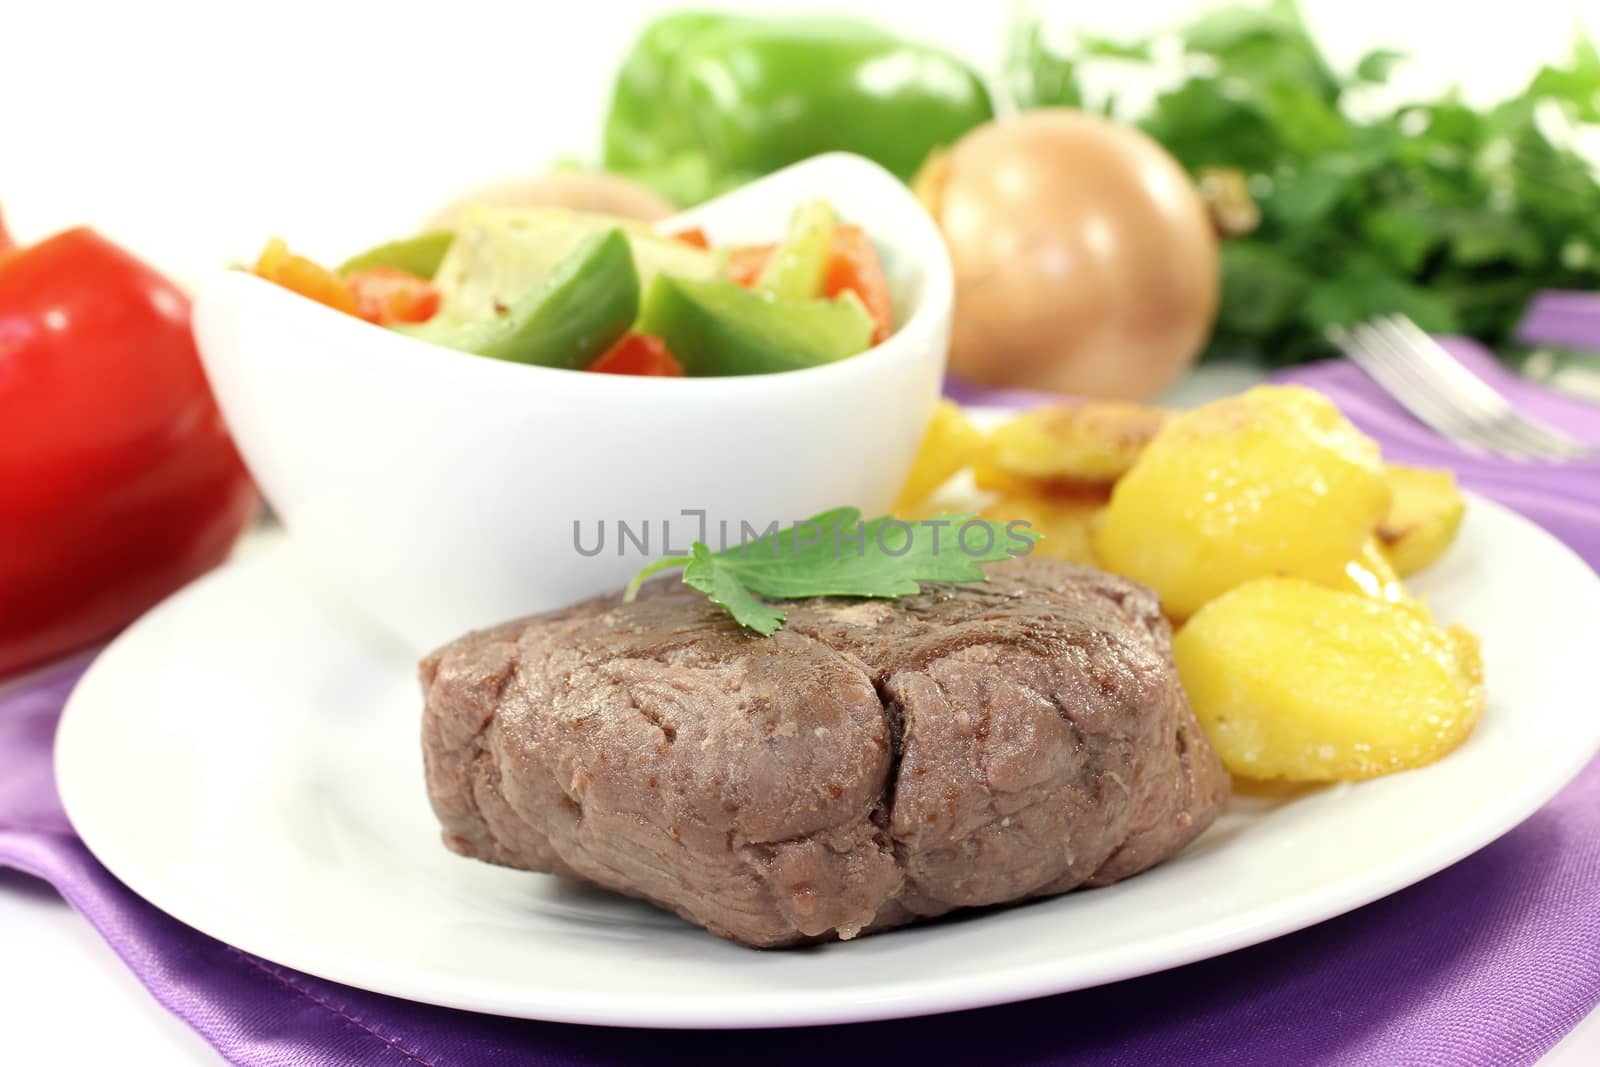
x=1068, y=448
x=1298, y=682
x=1065, y=522
x=949, y=444
x=1274, y=482
x=1425, y=510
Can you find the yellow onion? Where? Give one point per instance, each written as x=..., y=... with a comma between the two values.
x=1085, y=259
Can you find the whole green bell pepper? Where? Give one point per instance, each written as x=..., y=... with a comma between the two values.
x=704, y=102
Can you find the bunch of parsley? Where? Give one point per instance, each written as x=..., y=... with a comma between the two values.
x=1451, y=215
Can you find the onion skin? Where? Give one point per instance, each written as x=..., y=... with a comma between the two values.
x=579, y=190
x=1085, y=259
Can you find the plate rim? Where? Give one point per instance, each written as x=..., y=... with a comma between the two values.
x=789, y=1007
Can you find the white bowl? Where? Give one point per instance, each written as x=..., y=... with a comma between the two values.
x=445, y=491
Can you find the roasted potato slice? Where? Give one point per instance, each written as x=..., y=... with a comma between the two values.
x=1066, y=522
x=949, y=444
x=1274, y=482
x=1424, y=515
x=1298, y=682
x=1068, y=448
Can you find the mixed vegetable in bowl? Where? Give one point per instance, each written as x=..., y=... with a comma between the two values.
x=572, y=290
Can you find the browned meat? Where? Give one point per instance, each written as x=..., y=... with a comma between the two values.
x=871, y=764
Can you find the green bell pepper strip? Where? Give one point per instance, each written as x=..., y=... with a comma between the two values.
x=585, y=304
x=799, y=264
x=419, y=255
x=704, y=101
x=720, y=328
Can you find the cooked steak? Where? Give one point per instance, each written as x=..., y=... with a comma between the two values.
x=871, y=764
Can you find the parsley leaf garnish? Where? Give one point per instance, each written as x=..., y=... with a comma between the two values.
x=836, y=554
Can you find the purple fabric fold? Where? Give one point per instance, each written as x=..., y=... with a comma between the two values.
x=1489, y=962
x=1562, y=317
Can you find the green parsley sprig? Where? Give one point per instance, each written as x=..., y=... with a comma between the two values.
x=835, y=554
x=1451, y=214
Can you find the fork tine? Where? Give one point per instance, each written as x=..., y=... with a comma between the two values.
x=1373, y=352
x=1471, y=388
x=1379, y=355
x=1470, y=418
x=1372, y=355
x=1536, y=437
x=1495, y=421
x=1544, y=441
x=1468, y=390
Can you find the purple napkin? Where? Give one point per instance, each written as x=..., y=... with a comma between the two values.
x=1562, y=317
x=1489, y=962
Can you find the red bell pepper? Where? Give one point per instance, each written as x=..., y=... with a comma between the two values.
x=118, y=481
x=386, y=295
x=639, y=353
x=853, y=266
x=695, y=236
x=746, y=262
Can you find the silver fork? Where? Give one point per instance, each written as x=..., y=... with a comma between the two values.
x=1416, y=370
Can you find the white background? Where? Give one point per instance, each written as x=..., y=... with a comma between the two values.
x=191, y=131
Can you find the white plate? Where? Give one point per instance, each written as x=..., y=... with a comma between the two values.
x=247, y=758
